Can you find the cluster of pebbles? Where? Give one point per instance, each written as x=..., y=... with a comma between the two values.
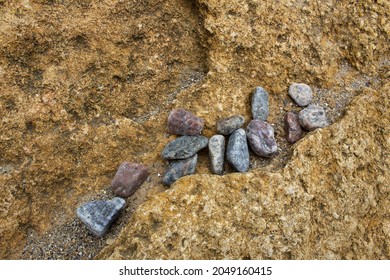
x=182, y=153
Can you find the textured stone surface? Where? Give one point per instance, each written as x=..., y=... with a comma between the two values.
x=129, y=178
x=99, y=215
x=300, y=93
x=312, y=117
x=260, y=104
x=180, y=168
x=182, y=122
x=292, y=128
x=217, y=153
x=261, y=138
x=325, y=203
x=184, y=147
x=230, y=124
x=87, y=86
x=237, y=153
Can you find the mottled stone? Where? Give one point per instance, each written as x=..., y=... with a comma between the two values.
x=129, y=178
x=184, y=147
x=292, y=127
x=99, y=215
x=260, y=107
x=312, y=117
x=217, y=153
x=237, y=153
x=300, y=93
x=261, y=138
x=180, y=168
x=229, y=125
x=182, y=122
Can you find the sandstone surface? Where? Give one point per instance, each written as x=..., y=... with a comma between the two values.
x=86, y=85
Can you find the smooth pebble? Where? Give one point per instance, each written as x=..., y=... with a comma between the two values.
x=217, y=153
x=259, y=105
x=228, y=125
x=292, y=127
x=261, y=138
x=180, y=168
x=184, y=147
x=301, y=94
x=182, y=122
x=312, y=117
x=237, y=153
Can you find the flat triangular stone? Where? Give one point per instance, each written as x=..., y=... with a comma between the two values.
x=99, y=215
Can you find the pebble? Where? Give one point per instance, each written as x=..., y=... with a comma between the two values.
x=184, y=147
x=229, y=125
x=182, y=122
x=292, y=127
x=180, y=168
x=261, y=138
x=260, y=107
x=129, y=178
x=99, y=215
x=217, y=153
x=301, y=94
x=237, y=153
x=312, y=117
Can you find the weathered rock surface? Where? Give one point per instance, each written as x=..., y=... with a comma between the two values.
x=229, y=125
x=237, y=153
x=217, y=153
x=129, y=178
x=184, y=147
x=260, y=104
x=261, y=138
x=182, y=122
x=292, y=128
x=326, y=203
x=99, y=215
x=180, y=168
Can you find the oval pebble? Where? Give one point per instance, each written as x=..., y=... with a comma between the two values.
x=229, y=125
x=237, y=153
x=301, y=94
x=312, y=117
x=180, y=168
x=184, y=147
x=182, y=122
x=128, y=178
x=292, y=127
x=217, y=153
x=259, y=105
x=261, y=138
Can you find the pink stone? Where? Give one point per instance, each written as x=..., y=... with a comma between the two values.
x=292, y=127
x=129, y=178
x=182, y=122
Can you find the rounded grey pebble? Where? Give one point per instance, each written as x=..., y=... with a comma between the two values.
x=312, y=117
x=228, y=125
x=180, y=168
x=217, y=153
x=237, y=153
x=301, y=94
x=259, y=104
x=184, y=147
x=99, y=215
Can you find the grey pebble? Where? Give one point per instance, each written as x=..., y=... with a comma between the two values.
x=259, y=105
x=180, y=168
x=184, y=147
x=237, y=153
x=229, y=125
x=312, y=117
x=261, y=138
x=99, y=215
x=217, y=153
x=301, y=94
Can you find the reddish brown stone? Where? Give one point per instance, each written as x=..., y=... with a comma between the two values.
x=292, y=127
x=182, y=122
x=129, y=178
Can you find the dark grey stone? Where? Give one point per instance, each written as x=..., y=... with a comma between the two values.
x=180, y=168
x=260, y=107
x=229, y=125
x=99, y=215
x=184, y=147
x=313, y=117
x=217, y=153
x=261, y=138
x=237, y=153
x=301, y=94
